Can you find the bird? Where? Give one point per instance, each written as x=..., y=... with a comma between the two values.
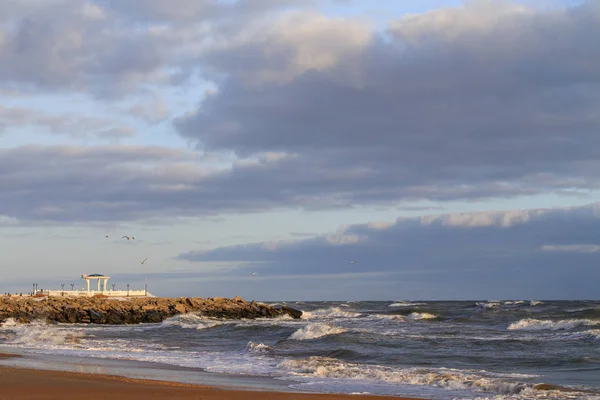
x=252, y=274
x=106, y=236
x=351, y=262
x=144, y=260
x=128, y=237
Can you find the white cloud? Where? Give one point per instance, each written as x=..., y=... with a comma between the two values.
x=572, y=248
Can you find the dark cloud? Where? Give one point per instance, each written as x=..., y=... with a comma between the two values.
x=65, y=184
x=487, y=100
x=542, y=253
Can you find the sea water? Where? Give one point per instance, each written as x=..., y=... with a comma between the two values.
x=439, y=350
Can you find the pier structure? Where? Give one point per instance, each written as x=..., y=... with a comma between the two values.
x=98, y=278
x=101, y=289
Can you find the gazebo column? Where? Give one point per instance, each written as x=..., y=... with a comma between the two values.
x=98, y=282
x=105, y=282
x=88, y=284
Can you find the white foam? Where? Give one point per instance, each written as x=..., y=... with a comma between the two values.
x=535, y=303
x=417, y=316
x=405, y=304
x=584, y=335
x=387, y=317
x=258, y=348
x=314, y=331
x=191, y=321
x=324, y=367
x=38, y=334
x=329, y=313
x=545, y=325
x=489, y=304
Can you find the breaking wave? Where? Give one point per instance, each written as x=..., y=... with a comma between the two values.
x=482, y=381
x=191, y=321
x=405, y=304
x=315, y=331
x=549, y=325
x=329, y=313
x=424, y=315
x=39, y=334
x=259, y=348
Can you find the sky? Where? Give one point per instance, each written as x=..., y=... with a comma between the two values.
x=334, y=149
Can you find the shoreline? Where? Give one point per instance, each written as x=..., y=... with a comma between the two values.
x=46, y=384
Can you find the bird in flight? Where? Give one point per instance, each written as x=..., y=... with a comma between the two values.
x=252, y=274
x=144, y=260
x=128, y=237
x=106, y=236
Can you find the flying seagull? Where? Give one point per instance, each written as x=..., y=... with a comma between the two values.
x=252, y=274
x=128, y=237
x=144, y=260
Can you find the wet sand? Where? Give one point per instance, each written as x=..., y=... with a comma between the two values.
x=21, y=384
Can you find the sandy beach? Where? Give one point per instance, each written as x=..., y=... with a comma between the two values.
x=21, y=384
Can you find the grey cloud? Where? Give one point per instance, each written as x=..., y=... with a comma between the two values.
x=71, y=125
x=65, y=184
x=109, y=48
x=103, y=184
x=481, y=101
x=192, y=11
x=476, y=254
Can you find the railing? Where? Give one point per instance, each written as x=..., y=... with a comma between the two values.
x=85, y=293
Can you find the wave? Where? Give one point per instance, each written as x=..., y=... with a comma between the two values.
x=545, y=325
x=191, y=321
x=424, y=315
x=405, y=304
x=507, y=304
x=329, y=313
x=539, y=325
x=38, y=334
x=482, y=381
x=259, y=348
x=315, y=331
x=593, y=334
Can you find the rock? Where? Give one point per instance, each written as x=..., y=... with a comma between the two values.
x=292, y=312
x=180, y=308
x=105, y=310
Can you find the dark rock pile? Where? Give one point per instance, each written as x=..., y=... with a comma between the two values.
x=115, y=311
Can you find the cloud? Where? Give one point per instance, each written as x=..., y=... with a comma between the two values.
x=574, y=248
x=70, y=125
x=447, y=260
x=295, y=43
x=486, y=100
x=113, y=48
x=66, y=184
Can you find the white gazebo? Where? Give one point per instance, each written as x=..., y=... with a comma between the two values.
x=101, y=281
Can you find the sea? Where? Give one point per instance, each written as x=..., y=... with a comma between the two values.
x=492, y=349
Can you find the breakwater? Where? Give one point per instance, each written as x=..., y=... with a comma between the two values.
x=114, y=311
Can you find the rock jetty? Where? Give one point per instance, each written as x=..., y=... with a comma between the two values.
x=115, y=311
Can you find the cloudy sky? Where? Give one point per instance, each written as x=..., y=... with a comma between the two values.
x=339, y=149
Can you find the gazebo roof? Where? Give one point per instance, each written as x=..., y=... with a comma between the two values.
x=94, y=276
